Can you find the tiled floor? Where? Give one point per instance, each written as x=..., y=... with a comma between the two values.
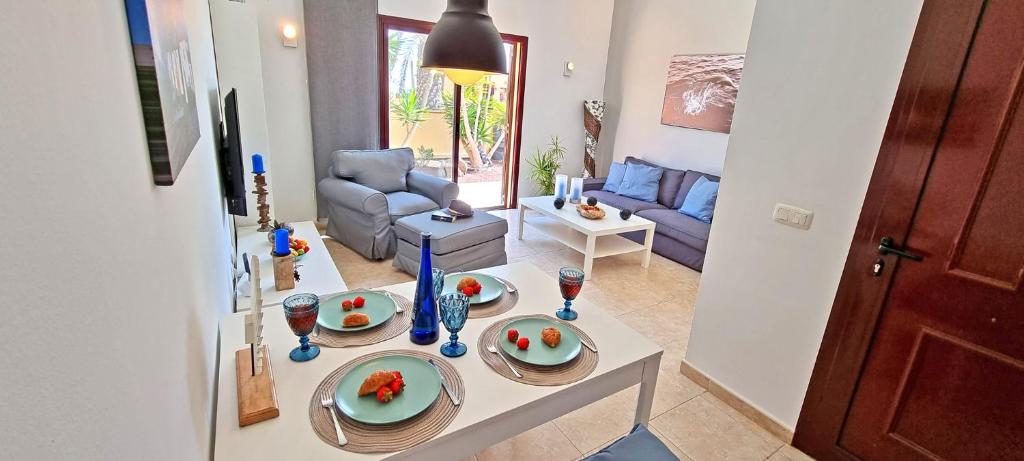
x=658, y=302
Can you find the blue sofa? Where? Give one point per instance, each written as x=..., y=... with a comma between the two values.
x=678, y=237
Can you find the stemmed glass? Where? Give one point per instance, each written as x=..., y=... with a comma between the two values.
x=454, y=309
x=570, y=281
x=301, y=311
x=438, y=275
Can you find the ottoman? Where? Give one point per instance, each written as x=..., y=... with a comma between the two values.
x=467, y=244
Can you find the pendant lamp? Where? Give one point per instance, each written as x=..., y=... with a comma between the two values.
x=464, y=43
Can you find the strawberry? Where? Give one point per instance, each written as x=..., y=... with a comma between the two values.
x=346, y=305
x=477, y=288
x=396, y=386
x=359, y=301
x=384, y=394
x=513, y=335
x=397, y=374
x=524, y=343
x=305, y=248
x=468, y=291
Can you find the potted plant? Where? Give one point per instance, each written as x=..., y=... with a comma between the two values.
x=545, y=165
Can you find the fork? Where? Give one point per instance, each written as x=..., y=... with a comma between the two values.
x=494, y=350
x=508, y=286
x=328, y=402
x=398, y=305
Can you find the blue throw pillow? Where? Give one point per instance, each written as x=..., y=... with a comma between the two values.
x=700, y=201
x=615, y=174
x=638, y=444
x=641, y=182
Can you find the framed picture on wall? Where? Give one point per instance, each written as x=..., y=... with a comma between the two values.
x=163, y=68
x=701, y=91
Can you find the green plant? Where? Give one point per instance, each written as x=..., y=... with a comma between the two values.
x=483, y=117
x=544, y=165
x=406, y=108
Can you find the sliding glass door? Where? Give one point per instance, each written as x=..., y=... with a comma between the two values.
x=469, y=135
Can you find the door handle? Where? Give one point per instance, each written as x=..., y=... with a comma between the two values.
x=885, y=247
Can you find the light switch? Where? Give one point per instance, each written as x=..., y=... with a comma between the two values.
x=792, y=216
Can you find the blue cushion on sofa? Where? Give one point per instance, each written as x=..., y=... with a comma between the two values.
x=700, y=201
x=615, y=174
x=641, y=182
x=638, y=444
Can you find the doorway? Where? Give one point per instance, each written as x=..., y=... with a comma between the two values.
x=923, y=355
x=470, y=135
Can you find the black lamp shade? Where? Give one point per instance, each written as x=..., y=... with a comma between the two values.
x=465, y=38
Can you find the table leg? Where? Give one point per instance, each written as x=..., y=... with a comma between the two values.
x=648, y=246
x=522, y=217
x=646, y=398
x=588, y=257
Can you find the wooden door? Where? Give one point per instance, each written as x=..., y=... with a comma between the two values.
x=925, y=359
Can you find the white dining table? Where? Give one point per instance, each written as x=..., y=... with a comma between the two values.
x=494, y=408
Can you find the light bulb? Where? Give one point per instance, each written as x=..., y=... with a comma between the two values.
x=464, y=77
x=289, y=31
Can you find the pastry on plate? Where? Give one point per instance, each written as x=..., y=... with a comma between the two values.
x=551, y=336
x=375, y=381
x=355, y=320
x=467, y=282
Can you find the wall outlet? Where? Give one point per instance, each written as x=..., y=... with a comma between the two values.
x=793, y=216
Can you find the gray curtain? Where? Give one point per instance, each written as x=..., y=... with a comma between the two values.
x=341, y=54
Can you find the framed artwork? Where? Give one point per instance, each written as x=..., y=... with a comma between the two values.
x=701, y=91
x=163, y=68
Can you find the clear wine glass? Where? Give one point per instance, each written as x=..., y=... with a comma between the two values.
x=570, y=281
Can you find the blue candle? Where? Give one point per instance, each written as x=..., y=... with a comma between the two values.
x=257, y=164
x=281, y=243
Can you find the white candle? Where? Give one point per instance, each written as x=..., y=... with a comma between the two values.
x=561, y=184
x=576, y=190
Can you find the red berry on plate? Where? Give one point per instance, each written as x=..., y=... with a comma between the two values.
x=468, y=291
x=396, y=386
x=346, y=305
x=306, y=249
x=513, y=335
x=397, y=374
x=477, y=288
x=384, y=394
x=359, y=301
x=524, y=343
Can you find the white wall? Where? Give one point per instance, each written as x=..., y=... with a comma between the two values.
x=817, y=90
x=112, y=287
x=645, y=36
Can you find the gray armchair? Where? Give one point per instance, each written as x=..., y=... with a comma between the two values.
x=367, y=191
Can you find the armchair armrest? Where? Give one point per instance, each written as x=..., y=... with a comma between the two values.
x=441, y=191
x=590, y=184
x=354, y=196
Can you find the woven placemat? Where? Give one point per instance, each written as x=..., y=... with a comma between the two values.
x=396, y=325
x=367, y=438
x=499, y=306
x=574, y=370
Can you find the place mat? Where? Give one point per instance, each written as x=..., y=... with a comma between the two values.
x=574, y=370
x=499, y=306
x=367, y=438
x=398, y=324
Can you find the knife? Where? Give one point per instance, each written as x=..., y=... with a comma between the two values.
x=444, y=384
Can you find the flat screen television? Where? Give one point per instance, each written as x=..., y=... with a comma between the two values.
x=232, y=169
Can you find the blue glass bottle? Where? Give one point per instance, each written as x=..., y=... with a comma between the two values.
x=425, y=329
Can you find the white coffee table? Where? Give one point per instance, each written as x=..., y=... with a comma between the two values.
x=318, y=273
x=595, y=238
x=494, y=408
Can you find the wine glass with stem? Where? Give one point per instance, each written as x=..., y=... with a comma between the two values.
x=454, y=309
x=301, y=310
x=570, y=281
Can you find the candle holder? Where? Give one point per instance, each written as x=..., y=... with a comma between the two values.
x=261, y=202
x=561, y=186
x=576, y=191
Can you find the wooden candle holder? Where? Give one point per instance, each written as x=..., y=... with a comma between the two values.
x=261, y=203
x=284, y=272
x=257, y=398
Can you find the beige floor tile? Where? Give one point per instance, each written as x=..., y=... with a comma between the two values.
x=542, y=442
x=705, y=432
x=671, y=446
x=597, y=424
x=469, y=458
x=662, y=325
x=673, y=389
x=739, y=418
x=788, y=453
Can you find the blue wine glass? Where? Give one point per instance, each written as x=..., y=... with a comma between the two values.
x=301, y=311
x=454, y=309
x=438, y=282
x=570, y=281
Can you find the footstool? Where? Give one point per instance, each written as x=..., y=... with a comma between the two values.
x=469, y=243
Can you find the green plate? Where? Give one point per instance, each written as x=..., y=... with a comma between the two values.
x=490, y=290
x=539, y=353
x=422, y=386
x=380, y=308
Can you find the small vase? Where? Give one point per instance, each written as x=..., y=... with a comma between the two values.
x=425, y=328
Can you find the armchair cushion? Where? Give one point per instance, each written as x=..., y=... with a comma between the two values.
x=381, y=170
x=355, y=197
x=437, y=189
x=402, y=204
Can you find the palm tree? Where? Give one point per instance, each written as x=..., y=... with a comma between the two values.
x=406, y=108
x=483, y=117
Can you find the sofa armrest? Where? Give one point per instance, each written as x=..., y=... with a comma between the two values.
x=590, y=184
x=354, y=196
x=441, y=191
